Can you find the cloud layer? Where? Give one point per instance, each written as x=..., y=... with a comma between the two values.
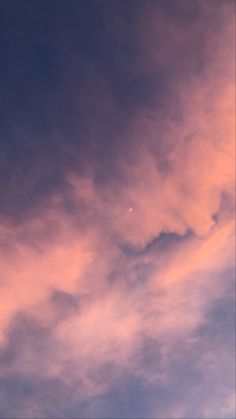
x=117, y=217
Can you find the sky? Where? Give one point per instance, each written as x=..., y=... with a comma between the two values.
x=117, y=184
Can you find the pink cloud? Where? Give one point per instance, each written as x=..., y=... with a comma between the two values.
x=57, y=251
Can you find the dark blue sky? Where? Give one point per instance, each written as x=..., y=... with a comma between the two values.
x=72, y=78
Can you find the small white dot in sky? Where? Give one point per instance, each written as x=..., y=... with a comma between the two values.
x=130, y=209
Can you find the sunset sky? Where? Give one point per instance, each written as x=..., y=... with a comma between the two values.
x=117, y=183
